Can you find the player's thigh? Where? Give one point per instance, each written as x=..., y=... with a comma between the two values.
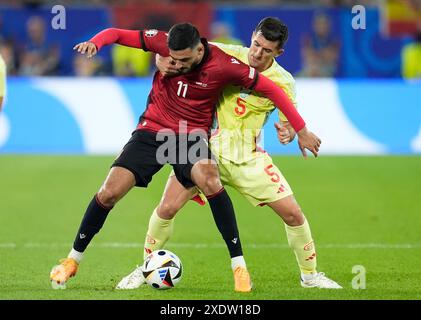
x=225, y=178
x=260, y=180
x=119, y=181
x=199, y=167
x=139, y=156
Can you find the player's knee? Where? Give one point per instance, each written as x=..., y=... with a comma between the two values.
x=293, y=216
x=167, y=210
x=212, y=184
x=108, y=196
x=206, y=177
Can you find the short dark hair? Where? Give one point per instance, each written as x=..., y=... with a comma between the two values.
x=182, y=36
x=273, y=29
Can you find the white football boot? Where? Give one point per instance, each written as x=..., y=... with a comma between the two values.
x=318, y=280
x=132, y=281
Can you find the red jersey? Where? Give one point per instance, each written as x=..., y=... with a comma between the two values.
x=192, y=97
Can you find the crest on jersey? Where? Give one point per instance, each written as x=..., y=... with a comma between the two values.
x=151, y=33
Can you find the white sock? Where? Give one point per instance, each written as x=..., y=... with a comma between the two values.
x=238, y=262
x=75, y=255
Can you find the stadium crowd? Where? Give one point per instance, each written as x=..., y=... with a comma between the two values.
x=35, y=54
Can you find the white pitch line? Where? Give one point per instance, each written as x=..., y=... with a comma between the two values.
x=8, y=245
x=123, y=245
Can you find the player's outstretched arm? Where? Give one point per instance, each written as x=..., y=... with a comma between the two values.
x=129, y=38
x=286, y=134
x=306, y=139
x=86, y=47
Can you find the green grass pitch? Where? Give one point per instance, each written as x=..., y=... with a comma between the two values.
x=362, y=211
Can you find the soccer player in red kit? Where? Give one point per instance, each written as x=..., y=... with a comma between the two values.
x=174, y=129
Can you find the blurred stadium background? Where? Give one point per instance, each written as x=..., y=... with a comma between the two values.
x=358, y=89
x=358, y=71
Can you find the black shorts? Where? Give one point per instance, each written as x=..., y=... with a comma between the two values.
x=147, y=152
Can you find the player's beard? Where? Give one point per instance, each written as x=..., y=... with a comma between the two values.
x=187, y=70
x=184, y=70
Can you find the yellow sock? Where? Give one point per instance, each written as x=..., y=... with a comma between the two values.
x=159, y=231
x=300, y=240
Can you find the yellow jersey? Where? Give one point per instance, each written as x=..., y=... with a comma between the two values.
x=242, y=113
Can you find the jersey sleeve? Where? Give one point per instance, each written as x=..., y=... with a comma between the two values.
x=155, y=41
x=128, y=38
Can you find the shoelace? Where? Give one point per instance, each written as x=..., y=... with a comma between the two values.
x=321, y=276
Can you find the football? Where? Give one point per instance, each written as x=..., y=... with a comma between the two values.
x=162, y=269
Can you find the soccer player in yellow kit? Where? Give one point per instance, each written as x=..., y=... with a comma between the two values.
x=240, y=116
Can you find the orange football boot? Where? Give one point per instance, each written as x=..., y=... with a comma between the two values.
x=62, y=272
x=242, y=280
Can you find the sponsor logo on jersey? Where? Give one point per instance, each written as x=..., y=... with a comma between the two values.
x=151, y=33
x=204, y=85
